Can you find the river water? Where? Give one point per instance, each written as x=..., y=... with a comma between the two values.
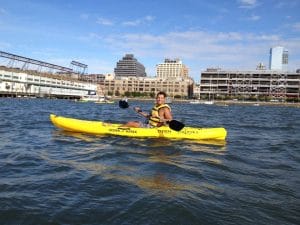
x=52, y=177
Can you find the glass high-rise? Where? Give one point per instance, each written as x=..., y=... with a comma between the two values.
x=278, y=58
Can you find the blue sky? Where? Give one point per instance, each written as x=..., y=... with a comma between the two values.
x=233, y=34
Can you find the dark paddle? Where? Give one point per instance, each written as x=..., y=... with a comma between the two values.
x=173, y=124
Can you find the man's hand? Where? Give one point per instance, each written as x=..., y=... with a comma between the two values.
x=137, y=109
x=162, y=120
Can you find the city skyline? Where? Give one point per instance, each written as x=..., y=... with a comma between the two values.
x=230, y=35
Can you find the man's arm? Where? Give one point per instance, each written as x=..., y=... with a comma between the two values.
x=165, y=114
x=139, y=111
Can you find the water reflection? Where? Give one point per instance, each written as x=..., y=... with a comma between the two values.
x=160, y=156
x=152, y=142
x=160, y=142
x=92, y=167
x=208, y=146
x=59, y=134
x=157, y=183
x=158, y=166
x=220, y=143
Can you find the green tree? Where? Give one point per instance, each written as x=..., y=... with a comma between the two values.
x=152, y=95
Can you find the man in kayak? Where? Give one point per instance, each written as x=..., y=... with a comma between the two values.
x=160, y=113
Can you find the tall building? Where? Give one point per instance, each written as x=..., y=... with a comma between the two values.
x=278, y=58
x=128, y=66
x=172, y=69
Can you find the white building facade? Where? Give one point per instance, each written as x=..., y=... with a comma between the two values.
x=171, y=69
x=278, y=59
x=15, y=82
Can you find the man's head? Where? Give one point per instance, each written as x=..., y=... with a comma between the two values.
x=161, y=98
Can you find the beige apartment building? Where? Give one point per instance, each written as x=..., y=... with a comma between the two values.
x=256, y=84
x=172, y=69
x=172, y=77
x=179, y=88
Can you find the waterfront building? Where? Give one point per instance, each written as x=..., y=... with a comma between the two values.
x=172, y=69
x=278, y=59
x=256, y=84
x=21, y=79
x=17, y=83
x=172, y=77
x=179, y=88
x=92, y=78
x=196, y=90
x=128, y=66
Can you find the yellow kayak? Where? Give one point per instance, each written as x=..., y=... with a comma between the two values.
x=99, y=127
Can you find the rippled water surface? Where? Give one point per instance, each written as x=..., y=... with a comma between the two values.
x=52, y=177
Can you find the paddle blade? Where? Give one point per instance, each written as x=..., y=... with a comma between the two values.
x=123, y=104
x=176, y=125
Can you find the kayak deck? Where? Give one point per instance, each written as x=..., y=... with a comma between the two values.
x=99, y=127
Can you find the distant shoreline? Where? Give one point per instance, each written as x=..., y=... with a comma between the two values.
x=216, y=102
x=226, y=102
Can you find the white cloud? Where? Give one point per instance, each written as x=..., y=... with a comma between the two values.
x=99, y=65
x=105, y=22
x=254, y=18
x=227, y=50
x=248, y=4
x=149, y=18
x=138, y=22
x=286, y=4
x=132, y=23
x=197, y=49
